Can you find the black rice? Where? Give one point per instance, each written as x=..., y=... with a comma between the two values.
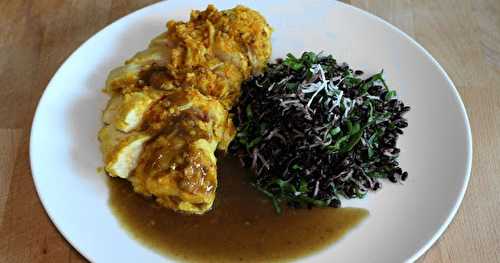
x=313, y=131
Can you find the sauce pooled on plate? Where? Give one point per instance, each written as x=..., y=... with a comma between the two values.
x=242, y=227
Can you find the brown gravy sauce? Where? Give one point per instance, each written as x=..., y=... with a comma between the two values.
x=242, y=227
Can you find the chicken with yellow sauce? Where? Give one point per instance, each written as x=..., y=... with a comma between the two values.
x=168, y=111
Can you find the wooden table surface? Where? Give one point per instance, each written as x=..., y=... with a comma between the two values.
x=37, y=36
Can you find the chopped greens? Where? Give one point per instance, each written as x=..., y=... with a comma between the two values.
x=314, y=131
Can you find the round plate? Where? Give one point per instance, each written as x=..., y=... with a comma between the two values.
x=405, y=220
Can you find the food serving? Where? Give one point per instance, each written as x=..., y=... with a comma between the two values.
x=310, y=130
x=168, y=111
x=106, y=220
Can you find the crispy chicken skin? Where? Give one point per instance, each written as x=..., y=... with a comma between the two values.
x=168, y=111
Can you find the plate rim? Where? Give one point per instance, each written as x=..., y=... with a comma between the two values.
x=463, y=111
x=456, y=96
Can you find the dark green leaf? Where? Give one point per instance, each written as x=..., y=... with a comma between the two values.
x=303, y=186
x=335, y=131
x=254, y=142
x=353, y=140
x=248, y=111
x=292, y=62
x=292, y=86
x=390, y=95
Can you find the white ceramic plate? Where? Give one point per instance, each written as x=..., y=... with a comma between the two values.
x=405, y=220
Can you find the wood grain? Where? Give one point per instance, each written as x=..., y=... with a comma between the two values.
x=36, y=37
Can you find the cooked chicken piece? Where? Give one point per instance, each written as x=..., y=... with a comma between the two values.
x=126, y=77
x=179, y=166
x=186, y=182
x=121, y=150
x=194, y=108
x=125, y=112
x=169, y=105
x=213, y=52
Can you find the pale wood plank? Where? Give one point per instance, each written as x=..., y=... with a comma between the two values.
x=9, y=146
x=487, y=14
x=19, y=51
x=27, y=233
x=451, y=33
